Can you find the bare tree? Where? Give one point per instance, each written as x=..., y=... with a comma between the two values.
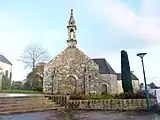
x=33, y=54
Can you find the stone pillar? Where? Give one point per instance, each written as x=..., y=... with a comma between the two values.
x=55, y=84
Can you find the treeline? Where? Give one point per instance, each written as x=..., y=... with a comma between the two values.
x=6, y=80
x=33, y=81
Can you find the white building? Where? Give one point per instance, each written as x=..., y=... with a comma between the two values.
x=135, y=83
x=5, y=68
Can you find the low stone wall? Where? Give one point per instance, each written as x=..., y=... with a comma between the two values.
x=110, y=104
x=60, y=100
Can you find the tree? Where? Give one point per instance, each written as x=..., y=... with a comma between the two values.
x=33, y=54
x=126, y=73
x=37, y=79
x=18, y=85
x=6, y=82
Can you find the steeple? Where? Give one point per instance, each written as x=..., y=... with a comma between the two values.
x=71, y=31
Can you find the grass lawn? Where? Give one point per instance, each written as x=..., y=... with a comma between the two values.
x=21, y=91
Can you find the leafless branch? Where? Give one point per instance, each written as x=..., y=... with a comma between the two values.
x=33, y=54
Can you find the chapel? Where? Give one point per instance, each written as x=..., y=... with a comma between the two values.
x=72, y=71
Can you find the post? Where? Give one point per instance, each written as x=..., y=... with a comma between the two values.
x=89, y=83
x=84, y=84
x=147, y=96
x=141, y=55
x=84, y=80
x=52, y=83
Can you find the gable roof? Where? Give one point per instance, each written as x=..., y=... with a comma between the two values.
x=4, y=60
x=133, y=77
x=104, y=67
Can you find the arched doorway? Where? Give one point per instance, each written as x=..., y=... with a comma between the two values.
x=104, y=88
x=70, y=85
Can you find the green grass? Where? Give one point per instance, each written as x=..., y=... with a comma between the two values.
x=21, y=91
x=98, y=97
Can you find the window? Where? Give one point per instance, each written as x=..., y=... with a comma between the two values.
x=72, y=34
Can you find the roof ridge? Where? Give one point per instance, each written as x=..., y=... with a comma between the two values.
x=4, y=59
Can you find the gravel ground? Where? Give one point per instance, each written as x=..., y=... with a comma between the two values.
x=83, y=115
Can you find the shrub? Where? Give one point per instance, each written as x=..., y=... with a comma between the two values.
x=76, y=96
x=138, y=95
x=125, y=95
x=99, y=96
x=142, y=94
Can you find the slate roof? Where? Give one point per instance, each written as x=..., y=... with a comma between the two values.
x=104, y=67
x=4, y=60
x=133, y=77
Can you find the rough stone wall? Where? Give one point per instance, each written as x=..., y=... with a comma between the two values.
x=110, y=104
x=110, y=81
x=70, y=63
x=113, y=82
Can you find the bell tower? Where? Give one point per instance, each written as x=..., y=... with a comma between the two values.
x=71, y=31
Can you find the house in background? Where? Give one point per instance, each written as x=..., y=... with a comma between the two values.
x=135, y=82
x=150, y=87
x=5, y=70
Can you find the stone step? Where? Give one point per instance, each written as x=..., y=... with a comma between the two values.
x=19, y=101
x=27, y=110
x=26, y=107
x=21, y=98
x=26, y=104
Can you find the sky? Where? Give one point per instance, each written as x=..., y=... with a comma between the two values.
x=105, y=27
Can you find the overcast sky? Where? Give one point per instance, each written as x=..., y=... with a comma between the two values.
x=105, y=27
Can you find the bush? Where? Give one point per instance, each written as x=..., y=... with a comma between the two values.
x=76, y=96
x=99, y=96
x=142, y=94
x=125, y=95
x=138, y=95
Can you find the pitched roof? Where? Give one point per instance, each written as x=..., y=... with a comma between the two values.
x=104, y=67
x=4, y=60
x=133, y=77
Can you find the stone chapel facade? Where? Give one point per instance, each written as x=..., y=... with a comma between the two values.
x=72, y=71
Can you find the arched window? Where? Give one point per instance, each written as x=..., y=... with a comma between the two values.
x=72, y=33
x=104, y=88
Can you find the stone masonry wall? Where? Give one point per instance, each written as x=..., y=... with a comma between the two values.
x=110, y=81
x=110, y=104
x=69, y=74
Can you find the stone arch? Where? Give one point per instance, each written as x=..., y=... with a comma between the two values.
x=71, y=80
x=104, y=89
x=75, y=76
x=69, y=85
